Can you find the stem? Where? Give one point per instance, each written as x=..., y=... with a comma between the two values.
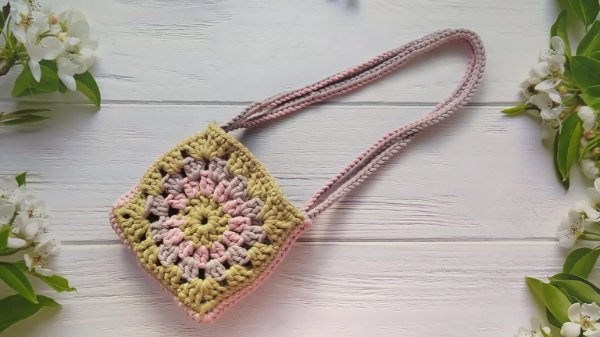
x=589, y=238
x=4, y=70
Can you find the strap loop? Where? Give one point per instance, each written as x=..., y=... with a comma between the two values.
x=369, y=161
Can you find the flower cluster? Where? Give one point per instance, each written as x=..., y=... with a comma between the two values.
x=26, y=216
x=583, y=221
x=540, y=88
x=583, y=318
x=564, y=92
x=54, y=47
x=25, y=248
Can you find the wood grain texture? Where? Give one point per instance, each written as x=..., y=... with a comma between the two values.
x=465, y=179
x=322, y=289
x=240, y=50
x=437, y=243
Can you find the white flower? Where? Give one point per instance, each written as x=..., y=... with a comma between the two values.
x=582, y=317
x=7, y=211
x=30, y=222
x=593, y=194
x=21, y=19
x=571, y=228
x=549, y=87
x=42, y=251
x=548, y=108
x=79, y=47
x=528, y=86
x=10, y=190
x=39, y=48
x=15, y=243
x=589, y=168
x=545, y=75
x=534, y=331
x=583, y=207
x=588, y=116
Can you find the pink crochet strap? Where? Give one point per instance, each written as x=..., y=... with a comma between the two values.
x=369, y=161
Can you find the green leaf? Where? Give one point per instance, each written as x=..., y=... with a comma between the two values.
x=569, y=139
x=88, y=86
x=590, y=43
x=586, y=71
x=559, y=28
x=573, y=257
x=567, y=276
x=56, y=282
x=26, y=112
x=591, y=96
x=4, y=232
x=586, y=263
x=551, y=297
x=15, y=308
x=23, y=119
x=579, y=290
x=517, y=109
x=21, y=179
x=26, y=85
x=552, y=320
x=14, y=278
x=585, y=10
x=2, y=18
x=563, y=181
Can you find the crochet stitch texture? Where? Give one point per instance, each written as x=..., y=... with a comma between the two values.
x=209, y=223
x=206, y=220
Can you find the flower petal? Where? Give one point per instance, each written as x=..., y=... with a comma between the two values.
x=594, y=332
x=36, y=71
x=557, y=44
x=570, y=329
x=574, y=312
x=588, y=116
x=68, y=81
x=592, y=310
x=14, y=243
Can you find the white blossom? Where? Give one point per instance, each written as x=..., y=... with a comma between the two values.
x=77, y=56
x=543, y=79
x=549, y=109
x=587, y=116
x=589, y=211
x=7, y=211
x=31, y=220
x=528, y=86
x=15, y=243
x=589, y=168
x=10, y=190
x=534, y=331
x=571, y=228
x=38, y=260
x=582, y=318
x=22, y=18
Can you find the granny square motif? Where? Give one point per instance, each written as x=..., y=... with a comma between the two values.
x=208, y=222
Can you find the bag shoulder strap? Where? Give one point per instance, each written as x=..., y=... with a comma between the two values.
x=351, y=79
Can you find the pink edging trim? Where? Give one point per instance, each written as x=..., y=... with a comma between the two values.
x=217, y=311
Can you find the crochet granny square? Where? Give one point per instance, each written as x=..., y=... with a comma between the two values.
x=208, y=222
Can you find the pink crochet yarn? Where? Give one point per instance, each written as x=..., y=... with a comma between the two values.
x=202, y=223
x=369, y=161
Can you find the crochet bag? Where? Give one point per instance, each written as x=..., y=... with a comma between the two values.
x=208, y=221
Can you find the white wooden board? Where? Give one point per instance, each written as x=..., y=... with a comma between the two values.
x=437, y=243
x=322, y=289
